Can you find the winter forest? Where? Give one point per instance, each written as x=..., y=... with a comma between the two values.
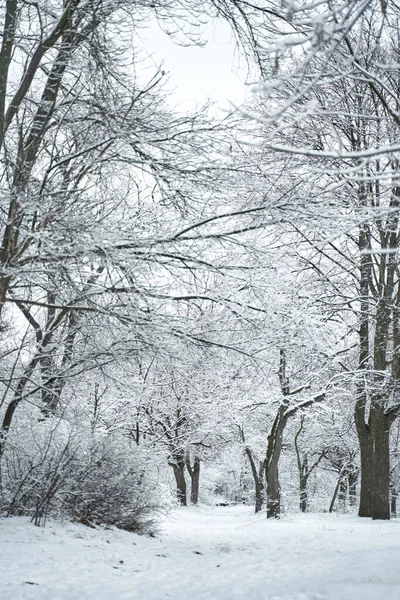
x=199, y=308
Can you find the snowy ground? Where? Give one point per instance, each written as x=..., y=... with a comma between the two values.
x=204, y=553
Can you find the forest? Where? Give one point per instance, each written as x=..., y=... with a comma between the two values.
x=196, y=306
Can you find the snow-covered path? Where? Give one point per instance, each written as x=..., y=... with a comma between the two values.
x=204, y=553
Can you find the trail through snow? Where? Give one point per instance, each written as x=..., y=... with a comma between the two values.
x=204, y=554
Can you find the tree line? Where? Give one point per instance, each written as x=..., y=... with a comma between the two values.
x=175, y=286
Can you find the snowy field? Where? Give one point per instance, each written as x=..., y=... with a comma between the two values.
x=204, y=553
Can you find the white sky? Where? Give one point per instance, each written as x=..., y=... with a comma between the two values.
x=197, y=73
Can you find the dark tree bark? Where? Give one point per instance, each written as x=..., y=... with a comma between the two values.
x=17, y=398
x=258, y=477
x=360, y=416
x=352, y=482
x=393, y=501
x=304, y=469
x=273, y=485
x=303, y=494
x=343, y=491
x=257, y=473
x=274, y=446
x=302, y=465
x=335, y=493
x=378, y=456
x=366, y=459
x=386, y=368
x=380, y=464
x=275, y=439
x=194, y=472
x=179, y=472
x=341, y=487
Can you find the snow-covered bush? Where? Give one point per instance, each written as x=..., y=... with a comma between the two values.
x=59, y=468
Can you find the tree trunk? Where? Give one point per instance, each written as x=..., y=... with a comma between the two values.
x=360, y=416
x=335, y=493
x=352, y=480
x=380, y=464
x=273, y=490
x=258, y=480
x=366, y=456
x=393, y=501
x=305, y=469
x=274, y=446
x=180, y=483
x=303, y=492
x=342, y=494
x=366, y=481
x=18, y=396
x=194, y=473
x=275, y=438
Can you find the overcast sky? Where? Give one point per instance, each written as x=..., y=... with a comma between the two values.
x=198, y=73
